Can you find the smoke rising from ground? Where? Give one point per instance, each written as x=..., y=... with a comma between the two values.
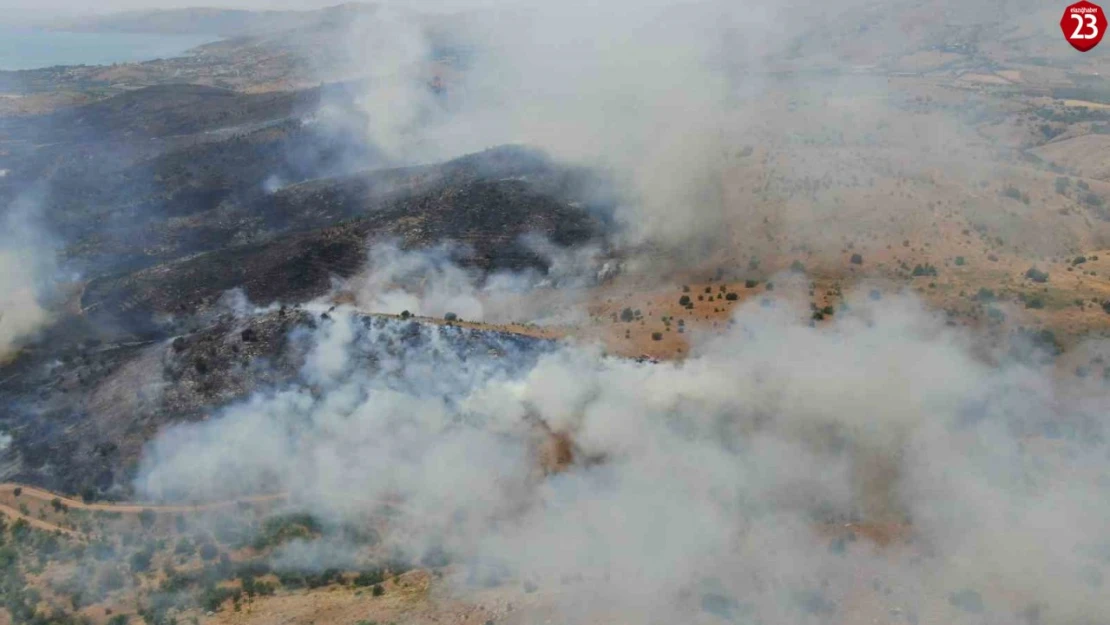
x=26, y=270
x=731, y=473
x=430, y=282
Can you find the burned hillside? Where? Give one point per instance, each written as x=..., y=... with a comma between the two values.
x=79, y=424
x=159, y=201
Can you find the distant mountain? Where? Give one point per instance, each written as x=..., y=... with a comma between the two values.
x=211, y=21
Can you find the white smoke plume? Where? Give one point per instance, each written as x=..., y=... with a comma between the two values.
x=725, y=479
x=27, y=269
x=629, y=88
x=430, y=282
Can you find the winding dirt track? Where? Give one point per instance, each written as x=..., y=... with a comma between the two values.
x=134, y=507
x=45, y=497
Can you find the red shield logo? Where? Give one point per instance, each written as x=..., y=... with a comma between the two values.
x=1083, y=24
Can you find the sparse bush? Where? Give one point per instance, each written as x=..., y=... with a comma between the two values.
x=1012, y=192
x=378, y=590
x=18, y=491
x=1035, y=303
x=209, y=552
x=1062, y=184
x=960, y=261
x=657, y=336
x=924, y=270
x=732, y=297
x=1036, y=275
x=215, y=597
x=627, y=315
x=684, y=300
x=184, y=547
x=856, y=259
x=797, y=266
x=147, y=518
x=282, y=528
x=140, y=560
x=369, y=578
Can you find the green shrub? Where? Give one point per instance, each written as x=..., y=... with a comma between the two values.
x=369, y=578
x=147, y=518
x=1036, y=275
x=140, y=560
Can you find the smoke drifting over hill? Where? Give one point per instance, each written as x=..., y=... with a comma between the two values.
x=884, y=464
x=732, y=473
x=628, y=88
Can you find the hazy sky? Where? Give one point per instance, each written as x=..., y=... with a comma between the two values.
x=20, y=9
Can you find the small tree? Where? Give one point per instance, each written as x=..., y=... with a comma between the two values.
x=146, y=518
x=684, y=300
x=1036, y=275
x=140, y=560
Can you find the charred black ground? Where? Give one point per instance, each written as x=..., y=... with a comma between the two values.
x=162, y=199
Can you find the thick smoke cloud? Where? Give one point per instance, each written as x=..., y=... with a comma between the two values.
x=753, y=125
x=730, y=474
x=629, y=88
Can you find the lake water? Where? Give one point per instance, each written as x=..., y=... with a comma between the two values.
x=24, y=48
